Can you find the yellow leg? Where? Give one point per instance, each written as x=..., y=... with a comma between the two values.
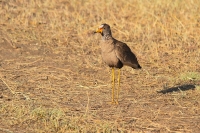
x=118, y=89
x=113, y=85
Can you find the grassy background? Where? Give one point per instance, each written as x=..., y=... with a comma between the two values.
x=52, y=78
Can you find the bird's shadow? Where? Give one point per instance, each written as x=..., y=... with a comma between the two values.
x=177, y=88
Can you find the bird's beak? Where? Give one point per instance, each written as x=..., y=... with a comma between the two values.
x=99, y=30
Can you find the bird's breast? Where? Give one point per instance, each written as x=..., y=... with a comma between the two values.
x=107, y=46
x=108, y=53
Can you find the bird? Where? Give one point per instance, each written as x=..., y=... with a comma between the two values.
x=115, y=54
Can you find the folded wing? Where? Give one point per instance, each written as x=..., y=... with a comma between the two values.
x=125, y=55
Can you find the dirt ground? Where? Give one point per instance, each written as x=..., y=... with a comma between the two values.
x=47, y=86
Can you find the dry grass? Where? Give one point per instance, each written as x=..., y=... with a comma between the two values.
x=52, y=78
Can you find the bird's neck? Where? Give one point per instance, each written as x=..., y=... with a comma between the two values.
x=107, y=37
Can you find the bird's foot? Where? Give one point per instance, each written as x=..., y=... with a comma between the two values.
x=114, y=102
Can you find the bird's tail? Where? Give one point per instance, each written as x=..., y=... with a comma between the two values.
x=137, y=66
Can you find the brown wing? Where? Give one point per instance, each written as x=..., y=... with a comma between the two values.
x=125, y=55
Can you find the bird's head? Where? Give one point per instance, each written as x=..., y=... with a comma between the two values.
x=104, y=29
